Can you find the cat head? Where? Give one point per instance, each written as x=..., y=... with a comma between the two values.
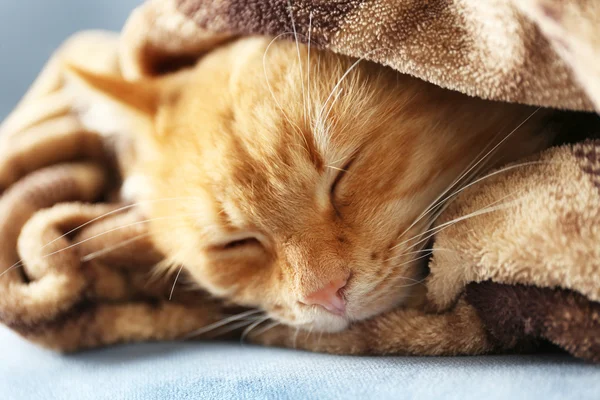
x=293, y=180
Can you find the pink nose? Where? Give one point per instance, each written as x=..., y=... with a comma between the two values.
x=329, y=297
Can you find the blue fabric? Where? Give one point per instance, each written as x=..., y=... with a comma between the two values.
x=235, y=371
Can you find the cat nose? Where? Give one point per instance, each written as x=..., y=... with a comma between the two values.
x=329, y=297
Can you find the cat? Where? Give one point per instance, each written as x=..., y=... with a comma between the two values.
x=299, y=181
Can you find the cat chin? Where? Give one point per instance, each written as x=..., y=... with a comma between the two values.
x=326, y=323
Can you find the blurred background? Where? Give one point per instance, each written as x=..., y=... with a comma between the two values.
x=30, y=30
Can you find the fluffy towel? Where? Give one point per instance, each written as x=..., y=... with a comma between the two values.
x=505, y=279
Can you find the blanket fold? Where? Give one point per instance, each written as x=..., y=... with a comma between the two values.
x=76, y=266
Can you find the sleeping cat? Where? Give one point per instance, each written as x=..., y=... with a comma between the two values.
x=296, y=181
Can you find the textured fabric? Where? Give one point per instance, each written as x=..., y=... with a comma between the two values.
x=548, y=237
x=484, y=48
x=233, y=371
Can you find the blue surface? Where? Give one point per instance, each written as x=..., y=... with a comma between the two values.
x=231, y=370
x=29, y=31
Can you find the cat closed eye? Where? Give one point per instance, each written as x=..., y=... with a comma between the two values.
x=341, y=173
x=237, y=242
x=332, y=191
x=250, y=241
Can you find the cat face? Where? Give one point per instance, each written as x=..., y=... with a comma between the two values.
x=294, y=181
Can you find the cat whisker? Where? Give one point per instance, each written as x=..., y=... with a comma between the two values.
x=452, y=197
x=439, y=228
x=339, y=82
x=511, y=167
x=221, y=323
x=320, y=337
x=251, y=327
x=255, y=318
x=106, y=250
x=474, y=170
x=20, y=262
x=267, y=328
x=175, y=282
x=307, y=334
x=406, y=278
x=294, y=340
x=416, y=252
x=119, y=228
x=435, y=230
x=107, y=214
x=230, y=328
x=411, y=260
x=335, y=89
x=398, y=277
x=468, y=170
x=7, y=270
x=336, y=168
x=116, y=211
x=415, y=283
x=341, y=160
x=165, y=267
x=270, y=88
x=467, y=173
x=335, y=99
x=293, y=125
x=291, y=12
x=310, y=17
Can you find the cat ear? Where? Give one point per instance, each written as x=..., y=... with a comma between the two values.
x=112, y=105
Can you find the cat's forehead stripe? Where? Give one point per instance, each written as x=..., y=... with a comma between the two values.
x=313, y=150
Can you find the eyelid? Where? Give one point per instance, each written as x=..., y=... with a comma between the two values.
x=336, y=181
x=238, y=237
x=342, y=172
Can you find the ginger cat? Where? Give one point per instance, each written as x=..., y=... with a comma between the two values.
x=297, y=181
